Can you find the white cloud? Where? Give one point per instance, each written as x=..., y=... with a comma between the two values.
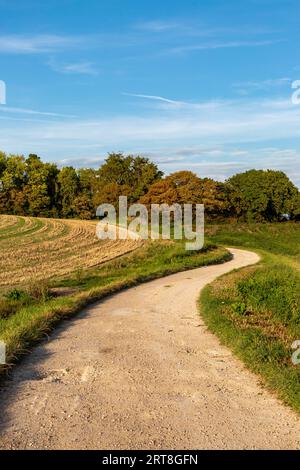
x=220, y=45
x=185, y=139
x=10, y=109
x=25, y=44
x=218, y=163
x=222, y=162
x=158, y=26
x=170, y=103
x=154, y=97
x=195, y=27
x=237, y=121
x=245, y=88
x=81, y=68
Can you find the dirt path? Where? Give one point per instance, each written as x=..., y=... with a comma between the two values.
x=140, y=370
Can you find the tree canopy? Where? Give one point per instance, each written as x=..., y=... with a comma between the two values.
x=263, y=195
x=28, y=186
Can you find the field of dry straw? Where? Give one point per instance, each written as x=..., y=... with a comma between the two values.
x=37, y=248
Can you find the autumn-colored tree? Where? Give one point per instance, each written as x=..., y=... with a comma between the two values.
x=82, y=207
x=161, y=192
x=214, y=198
x=188, y=186
x=185, y=187
x=110, y=194
x=19, y=201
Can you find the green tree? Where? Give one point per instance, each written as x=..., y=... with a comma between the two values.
x=14, y=174
x=68, y=189
x=39, y=200
x=138, y=173
x=88, y=186
x=3, y=160
x=13, y=179
x=261, y=195
x=88, y=180
x=53, y=189
x=143, y=174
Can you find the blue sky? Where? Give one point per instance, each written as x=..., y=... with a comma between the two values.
x=194, y=84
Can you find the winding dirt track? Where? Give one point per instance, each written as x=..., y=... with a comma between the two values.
x=140, y=370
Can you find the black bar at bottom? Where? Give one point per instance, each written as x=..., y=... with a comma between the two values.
x=136, y=459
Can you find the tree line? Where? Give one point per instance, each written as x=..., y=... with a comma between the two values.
x=28, y=186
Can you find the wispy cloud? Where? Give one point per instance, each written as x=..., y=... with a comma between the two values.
x=223, y=161
x=25, y=44
x=247, y=87
x=215, y=162
x=9, y=109
x=246, y=123
x=240, y=122
x=170, y=103
x=154, y=97
x=81, y=68
x=196, y=27
x=158, y=26
x=221, y=45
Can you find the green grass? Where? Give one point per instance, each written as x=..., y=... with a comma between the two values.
x=28, y=321
x=256, y=311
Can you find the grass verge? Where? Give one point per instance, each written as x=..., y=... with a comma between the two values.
x=256, y=311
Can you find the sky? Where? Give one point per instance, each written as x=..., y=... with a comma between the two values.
x=204, y=85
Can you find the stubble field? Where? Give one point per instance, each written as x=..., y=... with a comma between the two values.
x=33, y=249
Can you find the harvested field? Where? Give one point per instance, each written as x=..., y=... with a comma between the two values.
x=37, y=248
